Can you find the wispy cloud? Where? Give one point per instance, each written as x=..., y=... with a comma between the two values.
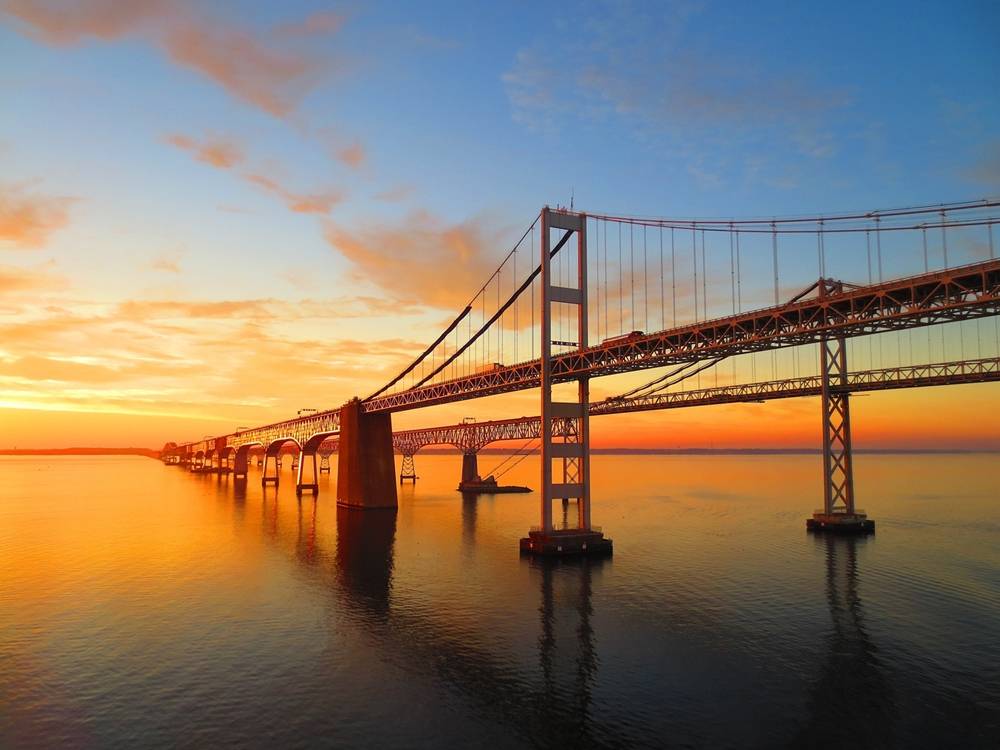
x=27, y=220
x=217, y=151
x=17, y=279
x=321, y=202
x=137, y=356
x=353, y=155
x=421, y=259
x=166, y=263
x=271, y=70
x=986, y=170
x=396, y=193
x=226, y=153
x=662, y=85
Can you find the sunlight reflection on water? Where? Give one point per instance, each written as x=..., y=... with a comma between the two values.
x=141, y=605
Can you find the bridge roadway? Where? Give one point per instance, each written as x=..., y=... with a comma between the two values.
x=470, y=437
x=836, y=310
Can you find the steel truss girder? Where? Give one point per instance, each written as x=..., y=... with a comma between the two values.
x=955, y=294
x=891, y=378
x=472, y=437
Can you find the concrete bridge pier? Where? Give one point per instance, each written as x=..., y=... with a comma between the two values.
x=301, y=476
x=269, y=475
x=241, y=462
x=470, y=467
x=366, y=466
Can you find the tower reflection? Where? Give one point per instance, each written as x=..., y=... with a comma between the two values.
x=851, y=703
x=364, y=557
x=566, y=651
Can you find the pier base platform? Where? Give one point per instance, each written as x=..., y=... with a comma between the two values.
x=566, y=542
x=841, y=523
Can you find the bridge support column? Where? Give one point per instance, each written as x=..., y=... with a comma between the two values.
x=241, y=463
x=470, y=468
x=366, y=466
x=839, y=513
x=408, y=469
x=266, y=477
x=324, y=463
x=307, y=459
x=565, y=427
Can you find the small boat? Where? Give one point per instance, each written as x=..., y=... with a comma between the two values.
x=489, y=486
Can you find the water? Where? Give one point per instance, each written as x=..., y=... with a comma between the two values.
x=144, y=606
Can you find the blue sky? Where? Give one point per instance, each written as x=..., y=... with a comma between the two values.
x=394, y=128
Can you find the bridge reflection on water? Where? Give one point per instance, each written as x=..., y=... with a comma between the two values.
x=551, y=702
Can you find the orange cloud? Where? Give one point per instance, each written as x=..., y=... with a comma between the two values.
x=27, y=221
x=322, y=22
x=271, y=79
x=68, y=22
x=15, y=279
x=423, y=259
x=301, y=203
x=272, y=71
x=170, y=265
x=225, y=154
x=212, y=150
x=353, y=156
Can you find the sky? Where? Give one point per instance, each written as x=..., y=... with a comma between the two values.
x=213, y=214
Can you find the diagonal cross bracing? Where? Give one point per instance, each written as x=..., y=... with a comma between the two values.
x=954, y=294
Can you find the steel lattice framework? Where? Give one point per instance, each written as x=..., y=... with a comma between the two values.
x=471, y=437
x=839, y=310
x=911, y=376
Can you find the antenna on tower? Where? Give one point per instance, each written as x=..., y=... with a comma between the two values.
x=572, y=195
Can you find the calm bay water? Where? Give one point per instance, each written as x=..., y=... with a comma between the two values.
x=144, y=606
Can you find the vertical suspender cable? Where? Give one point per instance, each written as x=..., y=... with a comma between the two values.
x=607, y=283
x=944, y=237
x=673, y=277
x=774, y=263
x=694, y=258
x=514, y=286
x=878, y=245
x=645, y=282
x=739, y=277
x=732, y=268
x=663, y=306
x=621, y=290
x=868, y=253
x=878, y=255
x=704, y=279
x=631, y=274
x=774, y=259
x=732, y=282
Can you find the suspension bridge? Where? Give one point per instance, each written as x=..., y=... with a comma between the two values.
x=584, y=296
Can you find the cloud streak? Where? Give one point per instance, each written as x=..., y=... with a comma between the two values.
x=28, y=220
x=214, y=150
x=272, y=70
x=226, y=154
x=423, y=259
x=665, y=86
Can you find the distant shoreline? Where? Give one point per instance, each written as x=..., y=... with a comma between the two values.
x=149, y=453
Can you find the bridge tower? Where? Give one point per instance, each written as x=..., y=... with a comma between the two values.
x=366, y=466
x=408, y=470
x=838, y=513
x=569, y=447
